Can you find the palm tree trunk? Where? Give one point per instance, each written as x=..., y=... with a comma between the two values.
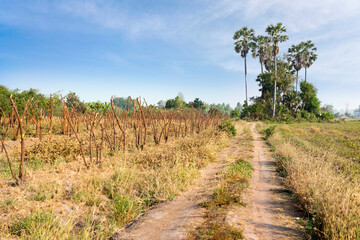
x=305, y=73
x=246, y=81
x=273, y=115
x=262, y=67
x=297, y=79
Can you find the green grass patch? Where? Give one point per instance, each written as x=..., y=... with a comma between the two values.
x=40, y=225
x=239, y=173
x=216, y=231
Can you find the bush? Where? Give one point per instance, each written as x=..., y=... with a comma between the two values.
x=287, y=118
x=309, y=116
x=228, y=127
x=326, y=116
x=269, y=131
x=258, y=111
x=235, y=113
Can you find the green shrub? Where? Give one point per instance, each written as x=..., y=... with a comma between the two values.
x=287, y=118
x=326, y=116
x=228, y=127
x=235, y=113
x=269, y=131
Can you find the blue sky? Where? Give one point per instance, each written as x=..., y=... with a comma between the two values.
x=156, y=49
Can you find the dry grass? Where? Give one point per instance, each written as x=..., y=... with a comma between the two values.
x=61, y=199
x=299, y=131
x=284, y=128
x=326, y=181
x=314, y=130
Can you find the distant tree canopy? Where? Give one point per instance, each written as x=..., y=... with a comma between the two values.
x=161, y=104
x=21, y=96
x=98, y=106
x=124, y=103
x=175, y=103
x=181, y=96
x=328, y=108
x=5, y=102
x=73, y=101
x=197, y=103
x=224, y=108
x=289, y=103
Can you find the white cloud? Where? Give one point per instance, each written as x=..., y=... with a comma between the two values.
x=110, y=15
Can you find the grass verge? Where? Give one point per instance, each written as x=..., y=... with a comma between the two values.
x=319, y=162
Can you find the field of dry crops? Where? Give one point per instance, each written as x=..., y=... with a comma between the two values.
x=321, y=164
x=65, y=199
x=72, y=175
x=84, y=176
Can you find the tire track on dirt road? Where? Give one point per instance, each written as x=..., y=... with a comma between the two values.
x=173, y=220
x=269, y=212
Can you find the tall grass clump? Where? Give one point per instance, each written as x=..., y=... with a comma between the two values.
x=40, y=225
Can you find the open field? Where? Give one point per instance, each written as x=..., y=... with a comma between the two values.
x=86, y=176
x=67, y=200
x=179, y=120
x=321, y=163
x=63, y=198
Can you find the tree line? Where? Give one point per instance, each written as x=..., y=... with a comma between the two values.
x=199, y=104
x=278, y=79
x=73, y=101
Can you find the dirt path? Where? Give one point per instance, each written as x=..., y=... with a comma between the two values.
x=173, y=220
x=269, y=213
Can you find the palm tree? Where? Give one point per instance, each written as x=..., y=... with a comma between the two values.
x=309, y=55
x=269, y=58
x=243, y=44
x=275, y=34
x=296, y=58
x=260, y=49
